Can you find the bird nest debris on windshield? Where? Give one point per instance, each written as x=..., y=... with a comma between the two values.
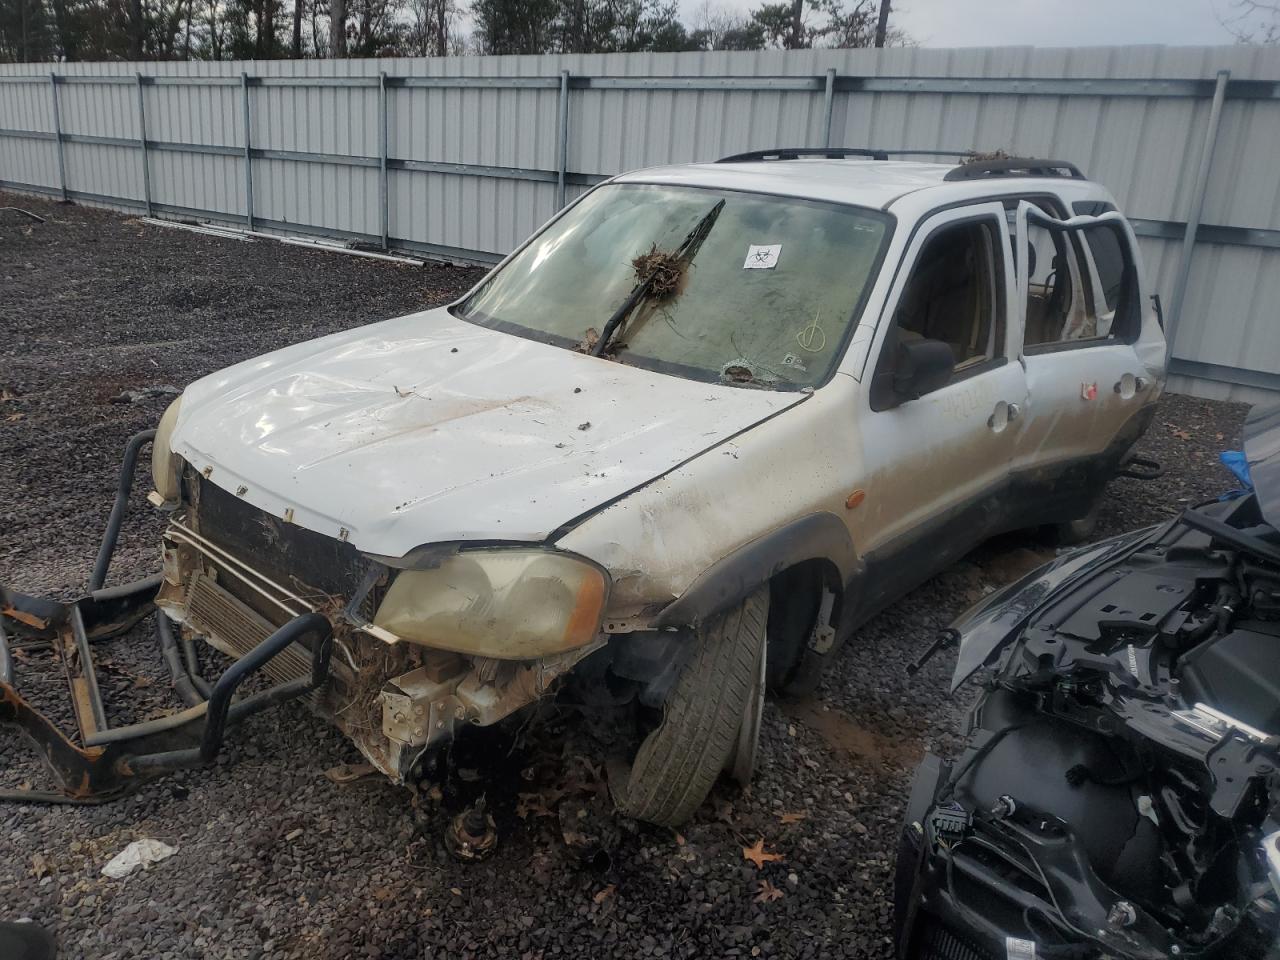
x=662, y=271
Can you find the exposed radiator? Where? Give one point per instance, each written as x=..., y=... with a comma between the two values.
x=235, y=629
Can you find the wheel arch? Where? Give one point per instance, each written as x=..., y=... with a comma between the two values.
x=819, y=537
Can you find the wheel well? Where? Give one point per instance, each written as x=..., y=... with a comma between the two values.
x=795, y=597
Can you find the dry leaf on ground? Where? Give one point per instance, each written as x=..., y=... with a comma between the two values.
x=605, y=894
x=794, y=817
x=768, y=893
x=758, y=855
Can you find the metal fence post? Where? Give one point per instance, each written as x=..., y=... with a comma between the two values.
x=562, y=154
x=142, y=142
x=248, y=156
x=828, y=105
x=382, y=157
x=1193, y=216
x=57, y=135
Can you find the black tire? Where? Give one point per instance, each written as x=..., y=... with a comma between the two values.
x=677, y=764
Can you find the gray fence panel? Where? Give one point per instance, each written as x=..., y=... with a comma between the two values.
x=472, y=158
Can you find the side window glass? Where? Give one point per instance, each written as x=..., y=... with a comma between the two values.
x=1110, y=261
x=1082, y=285
x=1056, y=307
x=954, y=295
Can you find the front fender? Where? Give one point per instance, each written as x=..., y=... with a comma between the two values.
x=817, y=536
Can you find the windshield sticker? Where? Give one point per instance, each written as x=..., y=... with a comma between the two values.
x=762, y=256
x=812, y=338
x=791, y=360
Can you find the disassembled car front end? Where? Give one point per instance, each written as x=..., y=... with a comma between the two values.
x=1119, y=795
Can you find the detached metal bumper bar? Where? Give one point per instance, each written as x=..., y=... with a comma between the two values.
x=98, y=762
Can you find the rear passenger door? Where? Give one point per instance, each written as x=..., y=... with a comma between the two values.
x=1081, y=314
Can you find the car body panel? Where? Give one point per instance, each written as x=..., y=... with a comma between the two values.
x=429, y=429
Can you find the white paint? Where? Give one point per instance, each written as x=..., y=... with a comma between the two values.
x=427, y=428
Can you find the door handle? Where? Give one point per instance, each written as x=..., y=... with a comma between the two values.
x=1003, y=415
x=1130, y=385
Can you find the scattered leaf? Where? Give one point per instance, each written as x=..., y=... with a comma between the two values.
x=534, y=804
x=349, y=772
x=457, y=892
x=757, y=854
x=142, y=682
x=794, y=817
x=40, y=866
x=1182, y=435
x=768, y=893
x=605, y=894
x=15, y=417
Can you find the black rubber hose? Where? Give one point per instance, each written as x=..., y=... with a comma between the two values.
x=182, y=684
x=119, y=508
x=188, y=647
x=150, y=584
x=220, y=712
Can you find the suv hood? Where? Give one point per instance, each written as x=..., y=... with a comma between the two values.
x=427, y=429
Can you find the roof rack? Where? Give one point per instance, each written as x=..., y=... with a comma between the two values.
x=1015, y=167
x=967, y=169
x=795, y=153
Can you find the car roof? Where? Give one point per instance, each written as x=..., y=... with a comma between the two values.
x=879, y=184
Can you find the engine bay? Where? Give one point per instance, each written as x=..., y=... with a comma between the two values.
x=1118, y=795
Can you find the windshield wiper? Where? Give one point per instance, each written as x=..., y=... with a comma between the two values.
x=685, y=254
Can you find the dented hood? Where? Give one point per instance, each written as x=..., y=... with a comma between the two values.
x=426, y=428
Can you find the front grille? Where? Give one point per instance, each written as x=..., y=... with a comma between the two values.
x=295, y=557
x=938, y=943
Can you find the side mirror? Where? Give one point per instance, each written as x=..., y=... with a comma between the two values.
x=922, y=366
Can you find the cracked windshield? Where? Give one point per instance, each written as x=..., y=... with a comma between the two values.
x=708, y=284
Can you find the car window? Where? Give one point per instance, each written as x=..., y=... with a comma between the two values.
x=953, y=295
x=1081, y=285
x=1109, y=262
x=768, y=299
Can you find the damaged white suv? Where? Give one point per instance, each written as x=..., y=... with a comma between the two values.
x=674, y=448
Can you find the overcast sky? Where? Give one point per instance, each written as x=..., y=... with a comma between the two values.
x=1044, y=23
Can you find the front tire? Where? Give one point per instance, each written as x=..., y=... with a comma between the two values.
x=678, y=762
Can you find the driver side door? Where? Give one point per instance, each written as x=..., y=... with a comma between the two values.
x=937, y=463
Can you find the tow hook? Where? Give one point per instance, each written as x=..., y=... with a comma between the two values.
x=472, y=835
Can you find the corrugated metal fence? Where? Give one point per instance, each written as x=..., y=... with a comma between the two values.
x=464, y=157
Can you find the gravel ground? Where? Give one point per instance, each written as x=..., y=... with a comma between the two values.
x=274, y=860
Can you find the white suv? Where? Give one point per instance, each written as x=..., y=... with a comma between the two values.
x=679, y=444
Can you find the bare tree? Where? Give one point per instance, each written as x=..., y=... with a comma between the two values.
x=1253, y=21
x=337, y=28
x=434, y=27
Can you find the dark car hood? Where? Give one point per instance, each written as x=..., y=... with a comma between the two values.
x=985, y=629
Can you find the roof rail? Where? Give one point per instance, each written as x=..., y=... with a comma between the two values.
x=1015, y=167
x=795, y=153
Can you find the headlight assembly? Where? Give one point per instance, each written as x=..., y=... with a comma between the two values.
x=511, y=604
x=165, y=464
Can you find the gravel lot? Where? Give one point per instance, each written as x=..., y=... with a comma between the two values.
x=274, y=860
